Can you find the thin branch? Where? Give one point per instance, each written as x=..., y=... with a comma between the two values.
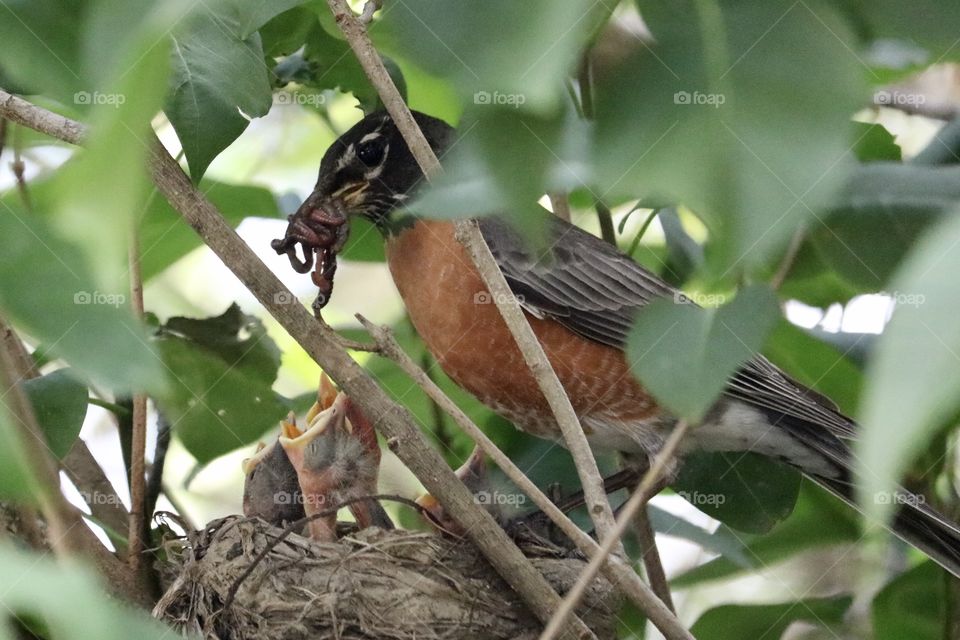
x=651, y=558
x=138, y=525
x=393, y=420
x=468, y=234
x=604, y=215
x=637, y=500
x=783, y=269
x=614, y=568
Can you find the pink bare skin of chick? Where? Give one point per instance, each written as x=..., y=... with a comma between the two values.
x=337, y=458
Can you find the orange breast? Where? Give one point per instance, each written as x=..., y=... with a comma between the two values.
x=449, y=306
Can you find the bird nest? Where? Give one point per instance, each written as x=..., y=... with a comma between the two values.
x=370, y=584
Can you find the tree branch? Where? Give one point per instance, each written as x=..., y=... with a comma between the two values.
x=468, y=234
x=637, y=500
x=392, y=420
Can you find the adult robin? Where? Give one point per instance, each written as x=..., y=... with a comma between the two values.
x=580, y=297
x=336, y=459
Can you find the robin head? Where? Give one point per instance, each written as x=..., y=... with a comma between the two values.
x=369, y=170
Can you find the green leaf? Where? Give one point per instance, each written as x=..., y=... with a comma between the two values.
x=916, y=359
x=818, y=519
x=107, y=181
x=69, y=600
x=222, y=370
x=745, y=491
x=736, y=622
x=165, y=237
x=47, y=290
x=17, y=479
x=914, y=605
x=876, y=143
x=42, y=44
x=332, y=65
x=684, y=355
x=60, y=405
x=219, y=80
x=256, y=13
x=708, y=117
x=453, y=39
x=879, y=216
x=929, y=23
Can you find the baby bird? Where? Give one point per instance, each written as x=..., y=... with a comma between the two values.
x=336, y=458
x=271, y=490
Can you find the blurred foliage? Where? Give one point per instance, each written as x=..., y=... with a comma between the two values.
x=727, y=146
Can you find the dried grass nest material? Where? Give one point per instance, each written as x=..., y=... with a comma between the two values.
x=371, y=584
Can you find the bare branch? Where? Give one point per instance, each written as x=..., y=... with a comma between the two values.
x=651, y=557
x=138, y=442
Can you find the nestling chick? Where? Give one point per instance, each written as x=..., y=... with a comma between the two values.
x=473, y=474
x=336, y=459
x=271, y=490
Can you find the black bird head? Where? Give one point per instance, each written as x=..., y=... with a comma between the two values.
x=370, y=171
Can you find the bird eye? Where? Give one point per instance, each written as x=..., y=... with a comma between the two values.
x=370, y=152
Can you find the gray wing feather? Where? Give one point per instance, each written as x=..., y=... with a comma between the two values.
x=596, y=291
